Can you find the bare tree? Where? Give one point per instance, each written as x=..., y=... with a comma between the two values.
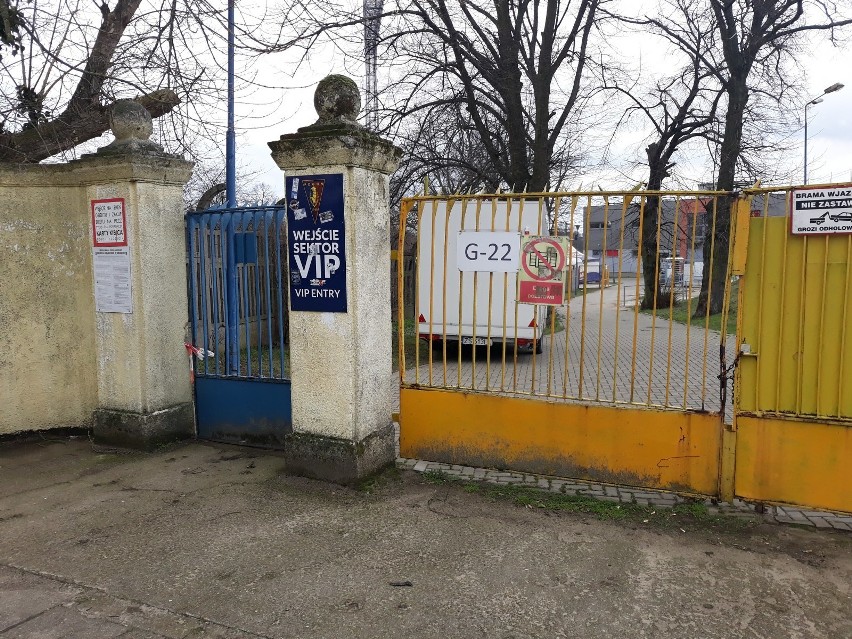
x=206, y=188
x=39, y=117
x=516, y=68
x=754, y=38
x=64, y=62
x=443, y=147
x=680, y=108
x=506, y=59
x=444, y=155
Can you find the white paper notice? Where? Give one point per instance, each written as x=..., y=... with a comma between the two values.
x=113, y=292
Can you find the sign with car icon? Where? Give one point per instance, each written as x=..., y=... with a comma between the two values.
x=824, y=210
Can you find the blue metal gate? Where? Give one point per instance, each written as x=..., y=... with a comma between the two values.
x=238, y=323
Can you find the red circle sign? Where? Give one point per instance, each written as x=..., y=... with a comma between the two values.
x=551, y=269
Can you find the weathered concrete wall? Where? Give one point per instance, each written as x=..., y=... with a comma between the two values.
x=60, y=360
x=144, y=393
x=47, y=317
x=141, y=361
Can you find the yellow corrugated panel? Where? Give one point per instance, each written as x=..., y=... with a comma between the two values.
x=793, y=437
x=795, y=314
x=795, y=461
x=742, y=217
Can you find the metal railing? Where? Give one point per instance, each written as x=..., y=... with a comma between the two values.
x=634, y=338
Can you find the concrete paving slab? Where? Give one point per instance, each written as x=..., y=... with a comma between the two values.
x=24, y=597
x=659, y=499
x=62, y=622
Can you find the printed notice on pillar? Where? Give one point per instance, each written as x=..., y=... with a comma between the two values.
x=109, y=222
x=316, y=234
x=113, y=292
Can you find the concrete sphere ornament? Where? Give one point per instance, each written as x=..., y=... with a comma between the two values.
x=337, y=99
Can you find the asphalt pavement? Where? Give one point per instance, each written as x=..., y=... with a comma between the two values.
x=209, y=541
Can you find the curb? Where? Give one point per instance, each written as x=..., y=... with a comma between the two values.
x=785, y=515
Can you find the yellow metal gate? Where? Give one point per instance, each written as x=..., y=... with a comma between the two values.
x=793, y=420
x=596, y=387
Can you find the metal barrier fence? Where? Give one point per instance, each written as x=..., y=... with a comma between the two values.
x=628, y=335
x=792, y=430
x=797, y=346
x=238, y=301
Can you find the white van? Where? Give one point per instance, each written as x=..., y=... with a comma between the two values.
x=498, y=316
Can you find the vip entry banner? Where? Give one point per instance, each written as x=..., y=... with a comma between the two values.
x=316, y=233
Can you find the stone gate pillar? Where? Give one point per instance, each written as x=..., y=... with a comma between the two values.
x=340, y=320
x=144, y=392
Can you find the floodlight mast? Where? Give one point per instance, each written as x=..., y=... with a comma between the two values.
x=372, y=24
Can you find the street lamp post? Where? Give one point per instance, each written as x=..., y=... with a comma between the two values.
x=834, y=87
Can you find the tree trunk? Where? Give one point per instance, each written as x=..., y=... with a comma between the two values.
x=511, y=89
x=650, y=260
x=717, y=247
x=648, y=241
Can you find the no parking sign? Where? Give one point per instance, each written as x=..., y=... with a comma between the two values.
x=543, y=270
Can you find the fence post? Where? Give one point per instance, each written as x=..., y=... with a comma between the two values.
x=340, y=352
x=144, y=394
x=740, y=225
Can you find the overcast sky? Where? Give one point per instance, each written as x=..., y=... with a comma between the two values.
x=830, y=123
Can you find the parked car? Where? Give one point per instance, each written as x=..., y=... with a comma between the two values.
x=843, y=216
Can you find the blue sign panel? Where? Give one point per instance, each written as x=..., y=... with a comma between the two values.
x=316, y=235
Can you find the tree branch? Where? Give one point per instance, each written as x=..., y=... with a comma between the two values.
x=74, y=127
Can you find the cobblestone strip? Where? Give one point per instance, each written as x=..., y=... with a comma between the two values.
x=624, y=494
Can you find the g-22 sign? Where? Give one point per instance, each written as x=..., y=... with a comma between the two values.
x=488, y=251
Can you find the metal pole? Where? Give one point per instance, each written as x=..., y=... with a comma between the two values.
x=230, y=140
x=805, y=181
x=231, y=194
